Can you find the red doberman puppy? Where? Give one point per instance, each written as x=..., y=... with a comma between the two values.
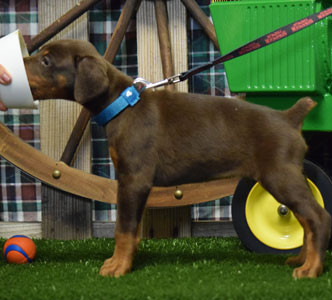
x=170, y=138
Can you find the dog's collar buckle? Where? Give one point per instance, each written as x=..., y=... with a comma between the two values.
x=129, y=97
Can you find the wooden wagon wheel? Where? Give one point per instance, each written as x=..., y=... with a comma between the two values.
x=63, y=177
x=71, y=180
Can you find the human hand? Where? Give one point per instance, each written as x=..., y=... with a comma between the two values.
x=5, y=78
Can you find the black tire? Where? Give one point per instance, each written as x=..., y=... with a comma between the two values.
x=249, y=240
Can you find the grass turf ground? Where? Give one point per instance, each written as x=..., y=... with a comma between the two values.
x=195, y=268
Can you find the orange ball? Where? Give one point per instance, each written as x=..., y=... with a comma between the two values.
x=19, y=249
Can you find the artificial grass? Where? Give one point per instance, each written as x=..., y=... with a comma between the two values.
x=195, y=268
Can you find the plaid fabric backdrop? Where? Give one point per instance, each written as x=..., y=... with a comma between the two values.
x=21, y=193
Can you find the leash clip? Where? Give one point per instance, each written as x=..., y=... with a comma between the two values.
x=141, y=84
x=174, y=79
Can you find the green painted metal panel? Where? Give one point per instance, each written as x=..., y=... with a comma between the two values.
x=281, y=73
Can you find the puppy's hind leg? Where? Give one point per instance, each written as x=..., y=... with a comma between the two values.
x=132, y=196
x=289, y=186
x=299, y=260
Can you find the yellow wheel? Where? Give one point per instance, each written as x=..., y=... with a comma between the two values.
x=266, y=226
x=277, y=227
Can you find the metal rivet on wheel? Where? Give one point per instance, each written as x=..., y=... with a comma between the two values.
x=178, y=194
x=56, y=174
x=283, y=210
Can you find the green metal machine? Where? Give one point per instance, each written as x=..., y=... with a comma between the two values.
x=279, y=74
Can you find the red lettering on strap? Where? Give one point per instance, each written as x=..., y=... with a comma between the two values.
x=275, y=36
x=250, y=47
x=324, y=13
x=301, y=24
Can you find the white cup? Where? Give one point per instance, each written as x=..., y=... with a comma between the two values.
x=17, y=94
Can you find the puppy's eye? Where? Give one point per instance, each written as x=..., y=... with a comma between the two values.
x=46, y=62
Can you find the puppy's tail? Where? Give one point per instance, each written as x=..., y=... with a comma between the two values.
x=299, y=110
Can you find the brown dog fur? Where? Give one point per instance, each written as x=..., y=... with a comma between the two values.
x=171, y=138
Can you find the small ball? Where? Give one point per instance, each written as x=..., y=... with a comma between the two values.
x=19, y=249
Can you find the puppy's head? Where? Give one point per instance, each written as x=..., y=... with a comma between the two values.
x=68, y=69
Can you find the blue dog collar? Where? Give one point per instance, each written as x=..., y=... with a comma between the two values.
x=129, y=97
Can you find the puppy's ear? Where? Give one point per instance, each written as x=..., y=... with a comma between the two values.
x=91, y=79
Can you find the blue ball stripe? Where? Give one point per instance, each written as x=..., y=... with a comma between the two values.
x=17, y=249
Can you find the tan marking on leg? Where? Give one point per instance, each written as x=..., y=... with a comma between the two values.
x=301, y=257
x=298, y=260
x=313, y=266
x=121, y=261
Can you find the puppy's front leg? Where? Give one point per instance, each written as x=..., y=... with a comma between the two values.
x=132, y=196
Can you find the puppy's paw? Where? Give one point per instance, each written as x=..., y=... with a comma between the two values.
x=115, y=267
x=307, y=272
x=294, y=261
